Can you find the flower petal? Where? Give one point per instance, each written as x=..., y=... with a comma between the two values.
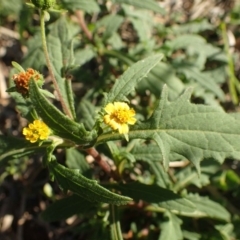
x=123, y=129
x=132, y=121
x=109, y=108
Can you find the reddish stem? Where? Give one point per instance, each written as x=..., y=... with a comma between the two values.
x=82, y=24
x=99, y=159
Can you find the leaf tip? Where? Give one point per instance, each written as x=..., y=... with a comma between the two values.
x=164, y=94
x=198, y=168
x=187, y=93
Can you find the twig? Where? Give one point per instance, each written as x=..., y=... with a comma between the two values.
x=178, y=164
x=9, y=33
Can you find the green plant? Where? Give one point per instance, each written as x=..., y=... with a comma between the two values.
x=132, y=145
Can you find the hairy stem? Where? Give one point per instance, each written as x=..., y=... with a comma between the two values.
x=49, y=65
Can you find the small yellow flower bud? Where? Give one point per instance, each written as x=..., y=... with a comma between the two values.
x=44, y=4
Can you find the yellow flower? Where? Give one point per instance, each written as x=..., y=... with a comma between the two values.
x=35, y=131
x=118, y=116
x=22, y=79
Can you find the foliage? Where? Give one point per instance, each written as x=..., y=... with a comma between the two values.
x=175, y=78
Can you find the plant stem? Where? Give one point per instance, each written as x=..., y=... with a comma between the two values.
x=98, y=158
x=82, y=24
x=50, y=69
x=115, y=226
x=233, y=81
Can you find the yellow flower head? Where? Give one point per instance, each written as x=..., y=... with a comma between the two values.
x=35, y=131
x=22, y=79
x=118, y=116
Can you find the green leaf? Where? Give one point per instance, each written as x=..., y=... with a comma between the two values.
x=115, y=41
x=76, y=160
x=189, y=130
x=56, y=57
x=192, y=73
x=191, y=235
x=72, y=180
x=110, y=23
x=150, y=153
x=89, y=6
x=146, y=4
x=17, y=66
x=134, y=74
x=84, y=55
x=197, y=48
x=204, y=208
x=160, y=75
x=171, y=227
x=226, y=231
x=193, y=27
x=23, y=105
x=65, y=32
x=60, y=48
x=35, y=56
x=60, y=124
x=208, y=208
x=155, y=194
x=186, y=41
x=123, y=57
x=162, y=178
x=142, y=27
x=46, y=93
x=87, y=113
x=11, y=7
x=142, y=23
x=15, y=148
x=188, y=176
x=11, y=89
x=67, y=207
x=219, y=74
x=157, y=77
